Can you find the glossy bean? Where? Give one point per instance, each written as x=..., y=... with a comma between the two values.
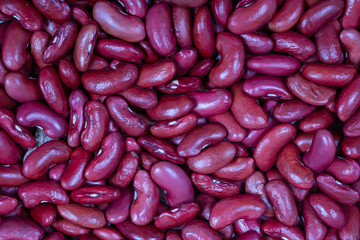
x=346, y=170
x=10, y=152
x=287, y=17
x=279, y=230
x=44, y=214
x=119, y=210
x=348, y=101
x=95, y=194
x=11, y=176
x=352, y=229
x=177, y=216
x=181, y=18
x=203, y=33
x=292, y=110
x=20, y=228
x=126, y=170
x=69, y=228
x=144, y=98
x=350, y=19
x=108, y=233
x=55, y=10
x=316, y=120
x=198, y=230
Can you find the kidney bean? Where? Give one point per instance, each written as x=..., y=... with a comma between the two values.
x=24, y=11
x=126, y=170
x=95, y=194
x=319, y=14
x=289, y=165
x=314, y=227
x=144, y=98
x=131, y=29
x=177, y=216
x=181, y=19
x=249, y=235
x=213, y=158
x=221, y=10
x=230, y=209
x=130, y=122
x=316, y=160
x=55, y=10
x=349, y=39
x=231, y=65
x=50, y=26
x=185, y=59
x=69, y=228
x=275, y=140
x=119, y=210
x=159, y=30
x=38, y=43
x=348, y=101
x=235, y=132
x=206, y=203
x=346, y=170
x=38, y=162
x=56, y=172
x=351, y=127
x=11, y=176
x=7, y=204
x=14, y=52
x=55, y=236
x=283, y=201
x=292, y=110
x=203, y=136
x=351, y=230
x=321, y=118
x=147, y=160
x=215, y=187
x=172, y=235
x=244, y=20
x=203, y=33
x=150, y=54
x=266, y=87
x=44, y=214
x=33, y=193
x=137, y=8
x=52, y=90
x=273, y=64
x=96, y=125
x=239, y=169
x=328, y=210
x=202, y=68
x=257, y=42
x=350, y=146
x=68, y=74
x=301, y=47
x=133, y=231
x=21, y=88
x=124, y=51
x=33, y=114
x=242, y=226
x=197, y=229
x=156, y=73
x=339, y=192
x=20, y=228
x=131, y=144
x=349, y=18
x=5, y=101
x=280, y=231
x=87, y=217
x=98, y=63
x=174, y=128
x=287, y=17
x=62, y=41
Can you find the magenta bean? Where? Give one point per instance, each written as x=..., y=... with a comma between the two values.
x=250, y=115
x=185, y=59
x=108, y=233
x=202, y=68
x=301, y=47
x=33, y=193
x=50, y=26
x=211, y=102
x=44, y=214
x=131, y=29
x=316, y=159
x=105, y=163
x=77, y=101
x=80, y=215
x=69, y=228
x=52, y=90
x=61, y=42
x=250, y=18
x=349, y=39
x=339, y=192
x=197, y=229
x=21, y=229
x=249, y=235
x=350, y=146
x=346, y=170
x=5, y=101
x=172, y=235
x=144, y=98
x=126, y=170
x=177, y=216
x=254, y=136
x=33, y=114
x=73, y=176
x=285, y=206
x=14, y=52
x=137, y=8
x=146, y=200
x=133, y=231
x=233, y=208
x=119, y=210
x=85, y=45
x=11, y=176
x=182, y=23
x=159, y=30
x=128, y=121
x=68, y=74
x=96, y=125
x=292, y=110
x=174, y=181
x=328, y=210
x=24, y=11
x=7, y=204
x=280, y=231
x=131, y=144
x=229, y=69
x=147, y=160
x=81, y=15
x=351, y=127
x=328, y=45
x=56, y=171
x=348, y=101
x=38, y=43
x=203, y=33
x=319, y=14
x=267, y=87
x=38, y=162
x=213, y=186
x=351, y=230
x=180, y=85
x=124, y=51
x=206, y=203
x=221, y=10
x=257, y=42
x=98, y=63
x=350, y=19
x=95, y=194
x=55, y=236
x=273, y=65
x=17, y=132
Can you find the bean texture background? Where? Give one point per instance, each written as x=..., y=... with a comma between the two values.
x=179, y=119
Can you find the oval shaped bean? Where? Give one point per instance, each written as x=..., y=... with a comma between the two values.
x=278, y=230
x=350, y=19
x=257, y=42
x=177, y=216
x=239, y=169
x=21, y=229
x=292, y=110
x=287, y=16
x=351, y=230
x=133, y=231
x=144, y=98
x=182, y=23
x=7, y=204
x=68, y=74
x=346, y=170
x=69, y=228
x=108, y=233
x=44, y=214
x=203, y=33
x=56, y=10
x=11, y=176
x=95, y=194
x=119, y=210
x=10, y=152
x=180, y=85
x=348, y=101
x=126, y=170
x=321, y=118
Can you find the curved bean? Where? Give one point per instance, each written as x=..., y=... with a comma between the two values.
x=197, y=229
x=95, y=194
x=144, y=98
x=346, y=170
x=21, y=229
x=44, y=214
x=203, y=33
x=126, y=170
x=287, y=16
x=182, y=23
x=292, y=110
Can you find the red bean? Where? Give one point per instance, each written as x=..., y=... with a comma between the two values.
x=203, y=33
x=119, y=210
x=44, y=214
x=156, y=73
x=69, y=228
x=287, y=16
x=95, y=194
x=20, y=228
x=108, y=233
x=177, y=216
x=350, y=19
x=197, y=229
x=292, y=110
x=351, y=229
x=12, y=176
x=278, y=230
x=346, y=170
x=314, y=227
x=133, y=231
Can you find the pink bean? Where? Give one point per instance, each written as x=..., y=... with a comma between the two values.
x=287, y=17
x=55, y=10
x=350, y=19
x=56, y=171
x=292, y=110
x=321, y=118
x=221, y=10
x=242, y=226
x=351, y=127
x=257, y=42
x=348, y=101
x=314, y=227
x=105, y=233
x=352, y=229
x=346, y=170
x=202, y=68
x=7, y=204
x=185, y=59
x=137, y=8
x=150, y=54
x=239, y=169
x=119, y=210
x=69, y=228
x=11, y=176
x=203, y=33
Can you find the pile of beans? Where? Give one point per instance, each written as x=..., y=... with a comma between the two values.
x=179, y=119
